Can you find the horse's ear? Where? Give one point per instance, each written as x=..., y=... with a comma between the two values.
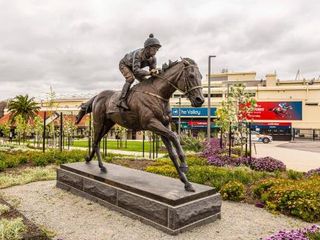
x=185, y=62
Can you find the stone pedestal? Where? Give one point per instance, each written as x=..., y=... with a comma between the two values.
x=156, y=200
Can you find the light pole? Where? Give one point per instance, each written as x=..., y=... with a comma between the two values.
x=209, y=96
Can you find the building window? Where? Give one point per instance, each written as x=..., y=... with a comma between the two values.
x=312, y=104
x=251, y=94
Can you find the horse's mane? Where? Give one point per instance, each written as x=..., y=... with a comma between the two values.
x=165, y=68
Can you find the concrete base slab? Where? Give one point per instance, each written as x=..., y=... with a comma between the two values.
x=156, y=200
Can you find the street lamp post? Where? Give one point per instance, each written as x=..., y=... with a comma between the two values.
x=209, y=96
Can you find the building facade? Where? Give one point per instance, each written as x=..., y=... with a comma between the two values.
x=283, y=106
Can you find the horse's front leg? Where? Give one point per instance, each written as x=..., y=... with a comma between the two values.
x=167, y=137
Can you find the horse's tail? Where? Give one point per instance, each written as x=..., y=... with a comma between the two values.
x=85, y=109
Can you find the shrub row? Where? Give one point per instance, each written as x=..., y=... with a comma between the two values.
x=14, y=159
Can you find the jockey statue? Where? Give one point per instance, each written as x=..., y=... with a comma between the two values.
x=131, y=68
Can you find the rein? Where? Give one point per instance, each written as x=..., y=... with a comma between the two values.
x=185, y=92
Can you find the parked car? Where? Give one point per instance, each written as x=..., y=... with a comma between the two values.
x=257, y=137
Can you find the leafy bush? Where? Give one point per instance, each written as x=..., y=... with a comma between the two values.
x=211, y=148
x=294, y=175
x=311, y=233
x=192, y=143
x=233, y=191
x=298, y=198
x=268, y=164
x=12, y=229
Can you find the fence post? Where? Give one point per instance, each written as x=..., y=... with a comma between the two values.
x=250, y=142
x=61, y=131
x=143, y=139
x=230, y=139
x=44, y=132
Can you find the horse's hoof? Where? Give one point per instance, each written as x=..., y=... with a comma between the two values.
x=184, y=168
x=87, y=159
x=103, y=169
x=189, y=188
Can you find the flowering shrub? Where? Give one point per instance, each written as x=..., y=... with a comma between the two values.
x=311, y=233
x=268, y=164
x=298, y=198
x=233, y=191
x=313, y=172
x=211, y=148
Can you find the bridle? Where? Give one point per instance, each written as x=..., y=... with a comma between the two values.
x=187, y=89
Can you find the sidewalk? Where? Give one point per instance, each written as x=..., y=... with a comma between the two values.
x=299, y=160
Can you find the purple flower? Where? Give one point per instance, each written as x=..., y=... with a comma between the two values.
x=313, y=172
x=298, y=234
x=268, y=164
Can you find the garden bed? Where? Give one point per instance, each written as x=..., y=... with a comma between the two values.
x=30, y=231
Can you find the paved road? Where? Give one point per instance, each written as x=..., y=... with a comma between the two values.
x=297, y=156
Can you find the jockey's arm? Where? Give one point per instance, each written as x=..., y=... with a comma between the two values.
x=137, y=71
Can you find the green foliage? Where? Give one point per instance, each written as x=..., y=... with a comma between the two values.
x=5, y=129
x=27, y=175
x=12, y=229
x=14, y=159
x=294, y=175
x=191, y=143
x=4, y=209
x=202, y=173
x=313, y=235
x=298, y=198
x=233, y=191
x=23, y=106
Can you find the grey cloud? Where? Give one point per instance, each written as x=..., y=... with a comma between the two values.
x=75, y=46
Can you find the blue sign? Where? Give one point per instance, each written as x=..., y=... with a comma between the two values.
x=193, y=112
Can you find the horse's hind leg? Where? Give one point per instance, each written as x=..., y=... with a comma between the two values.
x=99, y=132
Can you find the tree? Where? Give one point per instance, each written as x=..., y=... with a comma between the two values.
x=23, y=106
x=5, y=129
x=3, y=105
x=233, y=112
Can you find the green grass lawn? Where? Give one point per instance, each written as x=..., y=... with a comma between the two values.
x=136, y=146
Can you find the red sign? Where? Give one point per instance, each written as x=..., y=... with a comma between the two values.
x=197, y=123
x=277, y=111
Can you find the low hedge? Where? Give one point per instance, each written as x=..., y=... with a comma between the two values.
x=14, y=159
x=300, y=198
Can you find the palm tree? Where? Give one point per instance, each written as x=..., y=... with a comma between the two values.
x=23, y=106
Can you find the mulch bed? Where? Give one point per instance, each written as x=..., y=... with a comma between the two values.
x=33, y=232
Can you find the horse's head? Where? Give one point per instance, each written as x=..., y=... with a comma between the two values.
x=190, y=82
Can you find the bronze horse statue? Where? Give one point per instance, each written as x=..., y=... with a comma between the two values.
x=150, y=110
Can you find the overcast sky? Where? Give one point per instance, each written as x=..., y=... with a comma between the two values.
x=75, y=45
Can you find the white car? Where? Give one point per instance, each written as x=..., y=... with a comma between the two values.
x=257, y=137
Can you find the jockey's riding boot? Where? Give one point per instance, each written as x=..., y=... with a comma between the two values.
x=123, y=97
x=81, y=113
